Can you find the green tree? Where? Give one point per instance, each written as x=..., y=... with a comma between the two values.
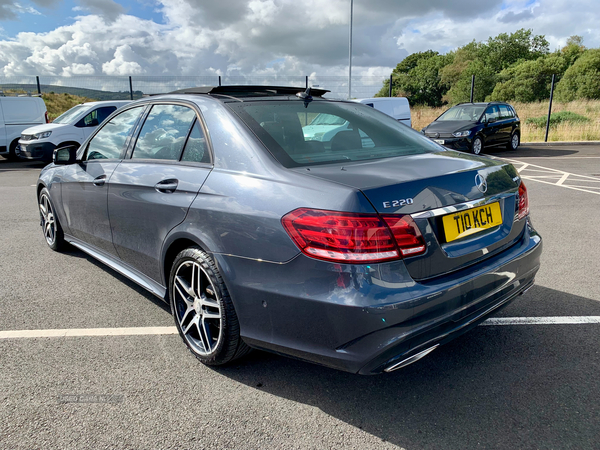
x=461, y=60
x=485, y=80
x=582, y=79
x=505, y=49
x=432, y=79
x=529, y=81
x=411, y=61
x=486, y=60
x=573, y=50
x=418, y=78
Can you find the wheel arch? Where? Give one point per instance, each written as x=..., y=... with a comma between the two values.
x=39, y=188
x=175, y=243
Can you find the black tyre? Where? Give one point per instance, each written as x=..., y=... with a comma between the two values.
x=202, y=309
x=514, y=142
x=12, y=150
x=51, y=228
x=477, y=145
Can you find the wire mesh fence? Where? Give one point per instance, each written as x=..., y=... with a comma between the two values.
x=122, y=88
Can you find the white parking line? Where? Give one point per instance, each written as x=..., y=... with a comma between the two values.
x=564, y=157
x=73, y=332
x=140, y=331
x=558, y=177
x=561, y=320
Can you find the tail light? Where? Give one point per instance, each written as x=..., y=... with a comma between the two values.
x=46, y=117
x=523, y=202
x=353, y=238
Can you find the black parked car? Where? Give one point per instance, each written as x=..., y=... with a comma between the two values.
x=474, y=126
x=363, y=253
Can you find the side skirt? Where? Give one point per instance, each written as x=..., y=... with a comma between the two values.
x=119, y=266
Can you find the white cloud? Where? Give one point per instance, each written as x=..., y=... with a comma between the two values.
x=265, y=38
x=123, y=63
x=78, y=69
x=26, y=9
x=556, y=19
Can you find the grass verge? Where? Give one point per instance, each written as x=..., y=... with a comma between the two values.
x=56, y=104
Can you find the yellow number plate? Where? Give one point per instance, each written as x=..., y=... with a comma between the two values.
x=470, y=221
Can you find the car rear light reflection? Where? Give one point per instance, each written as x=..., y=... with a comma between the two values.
x=353, y=238
x=523, y=202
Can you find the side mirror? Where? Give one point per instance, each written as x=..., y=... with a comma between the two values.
x=65, y=155
x=491, y=120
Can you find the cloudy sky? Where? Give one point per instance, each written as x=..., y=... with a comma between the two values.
x=262, y=37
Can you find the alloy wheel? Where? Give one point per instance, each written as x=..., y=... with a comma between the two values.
x=48, y=221
x=477, y=145
x=197, y=308
x=515, y=141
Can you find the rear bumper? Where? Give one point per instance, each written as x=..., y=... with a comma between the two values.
x=364, y=319
x=42, y=151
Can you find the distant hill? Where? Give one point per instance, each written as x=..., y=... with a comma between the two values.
x=93, y=94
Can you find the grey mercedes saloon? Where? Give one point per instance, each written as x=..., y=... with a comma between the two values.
x=361, y=250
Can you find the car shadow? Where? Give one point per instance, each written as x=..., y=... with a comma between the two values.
x=494, y=387
x=6, y=164
x=75, y=252
x=530, y=152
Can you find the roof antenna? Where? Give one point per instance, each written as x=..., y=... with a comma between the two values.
x=305, y=96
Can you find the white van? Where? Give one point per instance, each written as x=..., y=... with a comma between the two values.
x=324, y=127
x=396, y=107
x=17, y=114
x=70, y=128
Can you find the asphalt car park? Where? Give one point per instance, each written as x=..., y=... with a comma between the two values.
x=528, y=385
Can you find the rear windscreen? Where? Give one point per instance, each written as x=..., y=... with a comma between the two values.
x=329, y=132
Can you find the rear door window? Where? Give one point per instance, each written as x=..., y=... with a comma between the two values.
x=196, y=149
x=492, y=113
x=164, y=133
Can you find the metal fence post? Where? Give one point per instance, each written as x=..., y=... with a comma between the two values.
x=390, y=85
x=37, y=80
x=472, y=87
x=130, y=88
x=219, y=80
x=550, y=108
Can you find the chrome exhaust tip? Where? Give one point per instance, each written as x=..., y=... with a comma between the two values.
x=411, y=359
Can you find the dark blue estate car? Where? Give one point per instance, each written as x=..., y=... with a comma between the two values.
x=475, y=126
x=363, y=253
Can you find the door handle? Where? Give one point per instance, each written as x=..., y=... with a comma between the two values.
x=99, y=181
x=166, y=186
